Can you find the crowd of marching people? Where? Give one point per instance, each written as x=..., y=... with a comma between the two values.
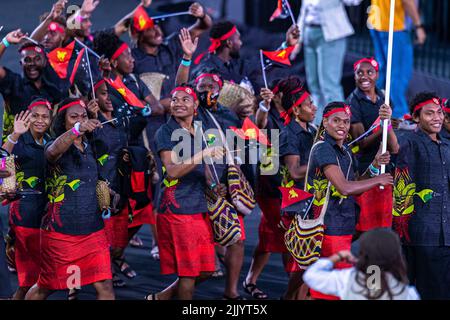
x=91, y=152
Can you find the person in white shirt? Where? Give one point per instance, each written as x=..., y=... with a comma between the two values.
x=379, y=271
x=324, y=26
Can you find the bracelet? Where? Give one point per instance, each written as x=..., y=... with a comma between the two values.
x=11, y=140
x=373, y=171
x=262, y=107
x=212, y=185
x=6, y=42
x=147, y=111
x=284, y=45
x=186, y=63
x=76, y=129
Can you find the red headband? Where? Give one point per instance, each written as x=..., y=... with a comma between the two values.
x=420, y=105
x=40, y=103
x=444, y=101
x=345, y=109
x=215, y=77
x=215, y=43
x=371, y=61
x=71, y=104
x=187, y=90
x=286, y=115
x=119, y=51
x=98, y=84
x=56, y=27
x=32, y=48
x=276, y=89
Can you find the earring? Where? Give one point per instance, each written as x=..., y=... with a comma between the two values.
x=195, y=113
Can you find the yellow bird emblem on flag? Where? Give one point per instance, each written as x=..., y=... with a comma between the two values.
x=61, y=55
x=293, y=194
x=142, y=22
x=251, y=133
x=282, y=54
x=122, y=91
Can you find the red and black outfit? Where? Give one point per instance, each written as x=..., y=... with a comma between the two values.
x=73, y=236
x=341, y=215
x=25, y=214
x=185, y=238
x=294, y=140
x=376, y=203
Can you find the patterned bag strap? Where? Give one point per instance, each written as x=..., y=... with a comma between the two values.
x=327, y=196
x=222, y=136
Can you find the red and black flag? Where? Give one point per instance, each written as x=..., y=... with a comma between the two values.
x=281, y=12
x=280, y=56
x=66, y=61
x=141, y=20
x=295, y=201
x=250, y=131
x=126, y=93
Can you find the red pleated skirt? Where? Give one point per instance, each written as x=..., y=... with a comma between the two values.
x=271, y=236
x=330, y=246
x=186, y=244
x=68, y=261
x=376, y=209
x=116, y=229
x=27, y=255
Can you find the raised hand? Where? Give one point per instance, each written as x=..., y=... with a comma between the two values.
x=189, y=46
x=146, y=3
x=14, y=37
x=22, y=122
x=292, y=35
x=105, y=65
x=93, y=108
x=267, y=96
x=58, y=9
x=89, y=125
x=196, y=10
x=89, y=6
x=385, y=112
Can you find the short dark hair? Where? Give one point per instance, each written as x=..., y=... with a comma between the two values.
x=419, y=98
x=219, y=29
x=106, y=43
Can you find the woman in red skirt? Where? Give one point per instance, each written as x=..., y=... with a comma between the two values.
x=332, y=166
x=367, y=105
x=184, y=232
x=74, y=247
x=27, y=144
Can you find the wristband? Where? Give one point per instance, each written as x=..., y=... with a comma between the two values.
x=76, y=129
x=147, y=111
x=11, y=140
x=212, y=185
x=284, y=45
x=5, y=42
x=373, y=171
x=186, y=63
x=262, y=107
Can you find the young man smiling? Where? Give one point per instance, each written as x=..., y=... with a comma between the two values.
x=421, y=205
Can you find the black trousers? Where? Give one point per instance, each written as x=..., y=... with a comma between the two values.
x=429, y=271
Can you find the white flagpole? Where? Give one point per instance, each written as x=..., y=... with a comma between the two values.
x=164, y=16
x=290, y=12
x=388, y=78
x=263, y=68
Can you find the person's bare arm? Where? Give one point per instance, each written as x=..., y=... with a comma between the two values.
x=261, y=115
x=64, y=141
x=357, y=129
x=86, y=10
x=57, y=10
x=413, y=12
x=122, y=26
x=155, y=105
x=189, y=47
x=203, y=23
x=14, y=37
x=178, y=170
x=347, y=188
x=296, y=171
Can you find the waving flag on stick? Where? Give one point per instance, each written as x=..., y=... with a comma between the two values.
x=250, y=131
x=282, y=11
x=279, y=56
x=64, y=59
x=295, y=201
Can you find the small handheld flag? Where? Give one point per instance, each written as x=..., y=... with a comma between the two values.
x=250, y=131
x=295, y=201
x=126, y=93
x=282, y=11
x=280, y=56
x=61, y=58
